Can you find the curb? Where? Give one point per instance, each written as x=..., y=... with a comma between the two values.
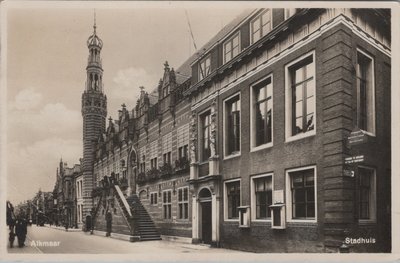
x=63, y=228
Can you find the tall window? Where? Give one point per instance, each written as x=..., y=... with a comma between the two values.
x=142, y=165
x=183, y=203
x=232, y=128
x=233, y=199
x=167, y=148
x=303, y=194
x=366, y=184
x=153, y=198
x=183, y=151
x=153, y=163
x=204, y=67
x=182, y=141
x=262, y=113
x=365, y=93
x=231, y=48
x=167, y=204
x=205, y=120
x=167, y=158
x=263, y=196
x=165, y=91
x=153, y=154
x=302, y=85
x=260, y=26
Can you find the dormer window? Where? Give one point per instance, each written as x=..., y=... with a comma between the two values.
x=289, y=12
x=204, y=67
x=165, y=91
x=231, y=47
x=260, y=26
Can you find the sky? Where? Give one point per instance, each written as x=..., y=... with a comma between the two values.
x=46, y=60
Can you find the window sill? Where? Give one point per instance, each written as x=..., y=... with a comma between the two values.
x=300, y=136
x=231, y=156
x=261, y=147
x=366, y=221
x=231, y=220
x=261, y=221
x=294, y=221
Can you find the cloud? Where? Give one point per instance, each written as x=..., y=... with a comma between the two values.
x=34, y=166
x=129, y=80
x=27, y=99
x=53, y=119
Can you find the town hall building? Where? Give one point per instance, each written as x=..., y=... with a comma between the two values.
x=275, y=137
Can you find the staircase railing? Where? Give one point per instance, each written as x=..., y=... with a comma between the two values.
x=129, y=216
x=123, y=199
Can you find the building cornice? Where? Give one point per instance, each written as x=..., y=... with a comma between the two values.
x=340, y=19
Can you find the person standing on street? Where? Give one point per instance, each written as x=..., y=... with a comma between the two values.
x=21, y=230
x=11, y=223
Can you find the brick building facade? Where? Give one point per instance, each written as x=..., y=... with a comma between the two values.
x=275, y=137
x=284, y=91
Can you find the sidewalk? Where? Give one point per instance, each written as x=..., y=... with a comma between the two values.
x=63, y=228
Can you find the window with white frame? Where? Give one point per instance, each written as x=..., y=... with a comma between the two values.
x=365, y=93
x=183, y=141
x=183, y=203
x=153, y=198
x=367, y=194
x=260, y=26
x=300, y=97
x=232, y=125
x=262, y=196
x=301, y=193
x=205, y=135
x=167, y=204
x=204, y=67
x=231, y=47
x=167, y=148
x=232, y=199
x=261, y=113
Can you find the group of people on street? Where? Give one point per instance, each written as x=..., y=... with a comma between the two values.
x=17, y=226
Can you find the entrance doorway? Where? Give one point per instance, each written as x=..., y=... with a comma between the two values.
x=206, y=224
x=206, y=215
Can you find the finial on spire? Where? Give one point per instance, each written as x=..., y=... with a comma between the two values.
x=110, y=119
x=123, y=105
x=166, y=64
x=141, y=89
x=94, y=24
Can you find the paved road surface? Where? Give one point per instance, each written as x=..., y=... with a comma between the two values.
x=80, y=242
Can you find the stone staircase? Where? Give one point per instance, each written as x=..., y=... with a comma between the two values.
x=144, y=225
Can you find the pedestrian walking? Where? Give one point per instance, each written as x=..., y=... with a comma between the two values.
x=11, y=223
x=21, y=230
x=11, y=237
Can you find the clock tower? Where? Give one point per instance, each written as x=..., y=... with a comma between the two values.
x=94, y=112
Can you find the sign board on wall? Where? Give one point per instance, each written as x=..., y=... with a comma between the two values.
x=348, y=173
x=354, y=159
x=357, y=137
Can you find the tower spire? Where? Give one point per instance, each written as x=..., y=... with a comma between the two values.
x=94, y=24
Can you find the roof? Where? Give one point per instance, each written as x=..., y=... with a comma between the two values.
x=186, y=69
